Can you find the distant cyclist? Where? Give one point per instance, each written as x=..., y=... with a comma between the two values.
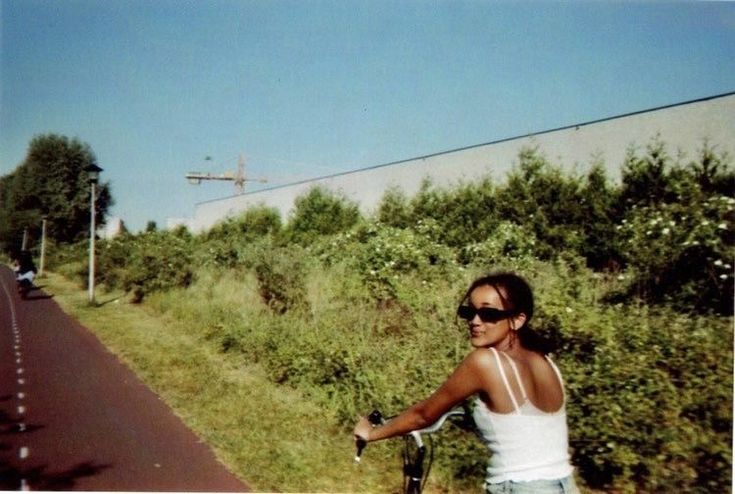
x=520, y=410
x=24, y=268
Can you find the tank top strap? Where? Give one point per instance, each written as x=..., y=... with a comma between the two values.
x=514, y=366
x=505, y=378
x=558, y=375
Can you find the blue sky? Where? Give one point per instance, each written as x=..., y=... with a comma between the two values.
x=310, y=88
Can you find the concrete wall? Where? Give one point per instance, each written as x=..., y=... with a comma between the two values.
x=683, y=128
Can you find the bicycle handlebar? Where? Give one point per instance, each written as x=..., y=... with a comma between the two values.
x=376, y=418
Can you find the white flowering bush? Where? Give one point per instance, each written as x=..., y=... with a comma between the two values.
x=384, y=256
x=387, y=254
x=508, y=242
x=682, y=253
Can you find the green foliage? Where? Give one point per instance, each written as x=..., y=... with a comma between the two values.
x=646, y=180
x=226, y=244
x=51, y=182
x=394, y=209
x=508, y=242
x=146, y=263
x=320, y=212
x=650, y=400
x=547, y=201
x=281, y=275
x=385, y=257
x=679, y=240
x=597, y=220
x=683, y=254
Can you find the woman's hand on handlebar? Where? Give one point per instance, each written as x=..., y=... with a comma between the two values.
x=362, y=430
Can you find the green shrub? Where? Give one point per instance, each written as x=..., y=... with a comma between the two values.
x=147, y=262
x=384, y=256
x=507, y=242
x=320, y=212
x=226, y=244
x=281, y=274
x=683, y=254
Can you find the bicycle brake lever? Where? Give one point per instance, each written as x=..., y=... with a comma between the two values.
x=360, y=443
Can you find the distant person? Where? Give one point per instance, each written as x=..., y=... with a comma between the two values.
x=520, y=404
x=24, y=267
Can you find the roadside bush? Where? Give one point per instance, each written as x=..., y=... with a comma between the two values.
x=639, y=420
x=545, y=200
x=69, y=260
x=281, y=273
x=383, y=256
x=460, y=214
x=683, y=254
x=148, y=262
x=508, y=241
x=225, y=245
x=320, y=212
x=394, y=209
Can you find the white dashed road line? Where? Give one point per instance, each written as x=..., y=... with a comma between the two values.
x=23, y=452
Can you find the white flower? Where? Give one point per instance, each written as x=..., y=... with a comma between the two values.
x=621, y=277
x=665, y=231
x=722, y=226
x=569, y=310
x=718, y=262
x=723, y=276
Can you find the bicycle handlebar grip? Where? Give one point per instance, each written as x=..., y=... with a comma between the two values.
x=375, y=418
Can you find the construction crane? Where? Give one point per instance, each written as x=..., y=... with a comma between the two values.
x=238, y=177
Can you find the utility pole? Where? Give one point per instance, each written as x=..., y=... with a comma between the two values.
x=239, y=178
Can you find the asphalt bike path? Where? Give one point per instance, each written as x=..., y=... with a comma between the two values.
x=73, y=417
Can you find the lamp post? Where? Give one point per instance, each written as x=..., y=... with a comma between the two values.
x=94, y=175
x=43, y=245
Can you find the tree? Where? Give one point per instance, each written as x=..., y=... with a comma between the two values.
x=51, y=182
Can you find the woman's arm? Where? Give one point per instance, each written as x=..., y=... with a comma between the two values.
x=467, y=379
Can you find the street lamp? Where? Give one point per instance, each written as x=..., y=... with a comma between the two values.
x=94, y=175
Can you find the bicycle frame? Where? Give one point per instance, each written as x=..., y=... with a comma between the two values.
x=413, y=468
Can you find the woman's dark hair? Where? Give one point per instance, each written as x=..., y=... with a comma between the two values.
x=516, y=294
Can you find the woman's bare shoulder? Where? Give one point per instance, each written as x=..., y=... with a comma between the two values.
x=483, y=361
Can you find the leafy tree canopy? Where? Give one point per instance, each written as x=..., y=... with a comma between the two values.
x=51, y=182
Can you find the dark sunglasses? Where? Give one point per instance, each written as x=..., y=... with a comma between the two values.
x=487, y=314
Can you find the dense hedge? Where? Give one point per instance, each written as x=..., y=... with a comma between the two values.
x=634, y=282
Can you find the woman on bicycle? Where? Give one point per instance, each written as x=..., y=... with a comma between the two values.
x=520, y=411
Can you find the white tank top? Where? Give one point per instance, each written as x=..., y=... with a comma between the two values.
x=528, y=443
